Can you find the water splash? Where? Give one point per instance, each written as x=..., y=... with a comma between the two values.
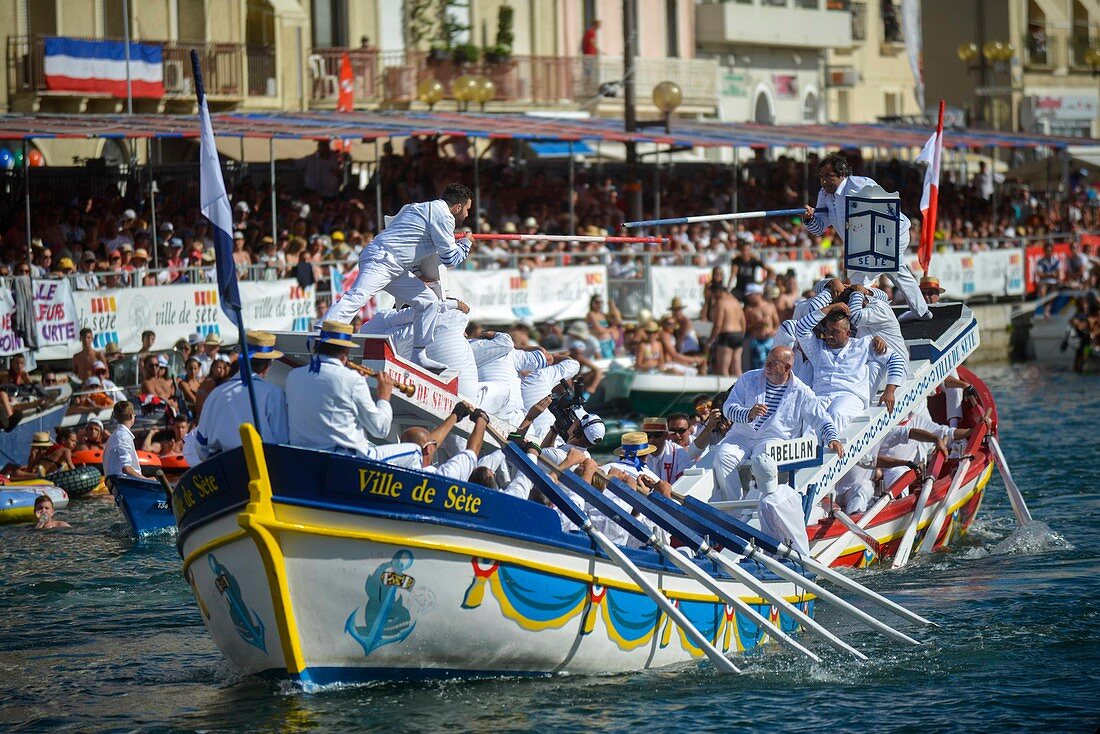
x=1032, y=539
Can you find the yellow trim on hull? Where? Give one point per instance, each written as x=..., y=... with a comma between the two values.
x=979, y=485
x=213, y=545
x=256, y=519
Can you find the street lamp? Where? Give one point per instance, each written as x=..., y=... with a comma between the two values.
x=667, y=96
x=430, y=92
x=464, y=88
x=485, y=91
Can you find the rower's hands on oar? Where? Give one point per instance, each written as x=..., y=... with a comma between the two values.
x=942, y=447
x=385, y=385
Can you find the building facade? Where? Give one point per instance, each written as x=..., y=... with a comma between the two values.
x=1031, y=65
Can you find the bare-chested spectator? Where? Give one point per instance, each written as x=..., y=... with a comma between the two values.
x=219, y=373
x=761, y=323
x=673, y=359
x=649, y=356
x=788, y=296
x=168, y=441
x=190, y=383
x=727, y=336
x=93, y=436
x=84, y=360
x=156, y=380
x=47, y=456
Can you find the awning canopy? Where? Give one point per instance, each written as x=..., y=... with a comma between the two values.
x=386, y=124
x=559, y=149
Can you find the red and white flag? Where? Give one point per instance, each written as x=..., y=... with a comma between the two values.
x=346, y=100
x=931, y=153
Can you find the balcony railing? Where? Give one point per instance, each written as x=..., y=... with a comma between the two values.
x=521, y=79
x=222, y=65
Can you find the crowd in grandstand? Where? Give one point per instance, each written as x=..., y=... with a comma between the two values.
x=112, y=241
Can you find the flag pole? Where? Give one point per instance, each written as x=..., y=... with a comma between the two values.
x=928, y=226
x=215, y=207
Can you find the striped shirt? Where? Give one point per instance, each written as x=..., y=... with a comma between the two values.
x=804, y=327
x=857, y=302
x=773, y=396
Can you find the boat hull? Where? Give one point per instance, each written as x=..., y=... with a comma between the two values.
x=309, y=585
x=143, y=503
x=15, y=445
x=17, y=501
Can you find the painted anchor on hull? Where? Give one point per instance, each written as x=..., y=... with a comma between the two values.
x=250, y=631
x=386, y=620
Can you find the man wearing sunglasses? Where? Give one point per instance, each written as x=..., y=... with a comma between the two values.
x=670, y=460
x=837, y=182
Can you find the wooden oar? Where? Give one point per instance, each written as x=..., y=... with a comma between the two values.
x=576, y=515
x=906, y=548
x=652, y=508
x=1015, y=497
x=860, y=534
x=935, y=525
x=736, y=535
x=678, y=559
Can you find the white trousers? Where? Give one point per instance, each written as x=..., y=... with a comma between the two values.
x=855, y=489
x=903, y=280
x=728, y=459
x=379, y=271
x=842, y=407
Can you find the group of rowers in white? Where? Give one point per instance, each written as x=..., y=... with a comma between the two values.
x=819, y=377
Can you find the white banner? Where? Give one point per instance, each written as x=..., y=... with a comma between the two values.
x=56, y=319
x=506, y=296
x=678, y=281
x=177, y=311
x=966, y=275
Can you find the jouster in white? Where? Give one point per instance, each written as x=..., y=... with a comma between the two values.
x=837, y=184
x=418, y=232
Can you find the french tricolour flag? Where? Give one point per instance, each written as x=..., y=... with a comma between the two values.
x=100, y=66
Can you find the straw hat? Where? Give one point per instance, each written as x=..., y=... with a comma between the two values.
x=578, y=329
x=66, y=263
x=336, y=333
x=652, y=327
x=261, y=345
x=655, y=425
x=676, y=304
x=930, y=282
x=141, y=254
x=208, y=256
x=41, y=439
x=635, y=443
x=112, y=348
x=213, y=340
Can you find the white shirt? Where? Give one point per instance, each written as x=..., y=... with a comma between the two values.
x=333, y=407
x=609, y=527
x=538, y=384
x=846, y=369
x=671, y=463
x=120, y=452
x=797, y=410
x=499, y=363
x=417, y=232
x=228, y=406
x=459, y=466
x=835, y=205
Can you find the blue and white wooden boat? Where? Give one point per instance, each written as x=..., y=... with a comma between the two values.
x=325, y=568
x=144, y=503
x=15, y=445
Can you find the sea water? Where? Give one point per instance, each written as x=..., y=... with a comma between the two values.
x=99, y=633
